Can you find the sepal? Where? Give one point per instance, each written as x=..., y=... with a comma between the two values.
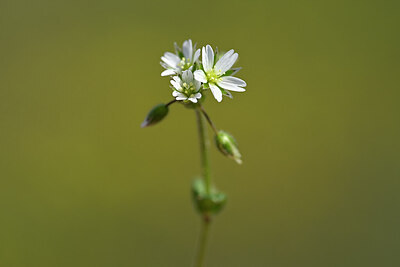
x=207, y=203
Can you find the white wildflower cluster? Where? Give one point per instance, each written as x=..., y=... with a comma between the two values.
x=191, y=75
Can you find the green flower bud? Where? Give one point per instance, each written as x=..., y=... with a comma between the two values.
x=207, y=203
x=228, y=146
x=156, y=114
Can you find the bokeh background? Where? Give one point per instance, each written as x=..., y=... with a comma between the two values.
x=82, y=185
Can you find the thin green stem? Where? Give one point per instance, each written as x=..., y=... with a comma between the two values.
x=209, y=120
x=202, y=243
x=170, y=102
x=204, y=144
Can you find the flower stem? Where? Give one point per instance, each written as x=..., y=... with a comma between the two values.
x=170, y=102
x=204, y=144
x=202, y=243
x=209, y=120
x=206, y=219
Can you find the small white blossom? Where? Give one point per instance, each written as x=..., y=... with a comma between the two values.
x=183, y=59
x=186, y=88
x=213, y=75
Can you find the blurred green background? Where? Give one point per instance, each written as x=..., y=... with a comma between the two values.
x=82, y=185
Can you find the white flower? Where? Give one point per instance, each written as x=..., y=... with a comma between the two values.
x=213, y=75
x=183, y=59
x=186, y=88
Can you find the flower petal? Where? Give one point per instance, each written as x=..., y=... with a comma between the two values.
x=233, y=80
x=176, y=85
x=198, y=95
x=168, y=72
x=216, y=92
x=200, y=76
x=175, y=93
x=208, y=58
x=177, y=48
x=187, y=49
x=171, y=59
x=196, y=56
x=164, y=65
x=187, y=76
x=226, y=61
x=177, y=79
x=194, y=100
x=181, y=98
x=197, y=84
x=230, y=86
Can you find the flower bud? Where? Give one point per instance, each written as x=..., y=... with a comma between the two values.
x=228, y=146
x=156, y=114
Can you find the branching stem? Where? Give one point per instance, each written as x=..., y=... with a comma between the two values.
x=209, y=120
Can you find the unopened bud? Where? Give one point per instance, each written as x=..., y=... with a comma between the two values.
x=228, y=146
x=156, y=114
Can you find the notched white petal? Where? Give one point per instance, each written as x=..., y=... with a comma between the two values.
x=176, y=85
x=208, y=58
x=184, y=75
x=177, y=79
x=187, y=76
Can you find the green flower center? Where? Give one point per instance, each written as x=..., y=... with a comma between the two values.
x=213, y=76
x=188, y=89
x=185, y=63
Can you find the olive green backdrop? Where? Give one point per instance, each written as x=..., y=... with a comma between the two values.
x=82, y=185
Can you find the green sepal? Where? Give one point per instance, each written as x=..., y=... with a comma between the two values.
x=228, y=72
x=156, y=114
x=207, y=203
